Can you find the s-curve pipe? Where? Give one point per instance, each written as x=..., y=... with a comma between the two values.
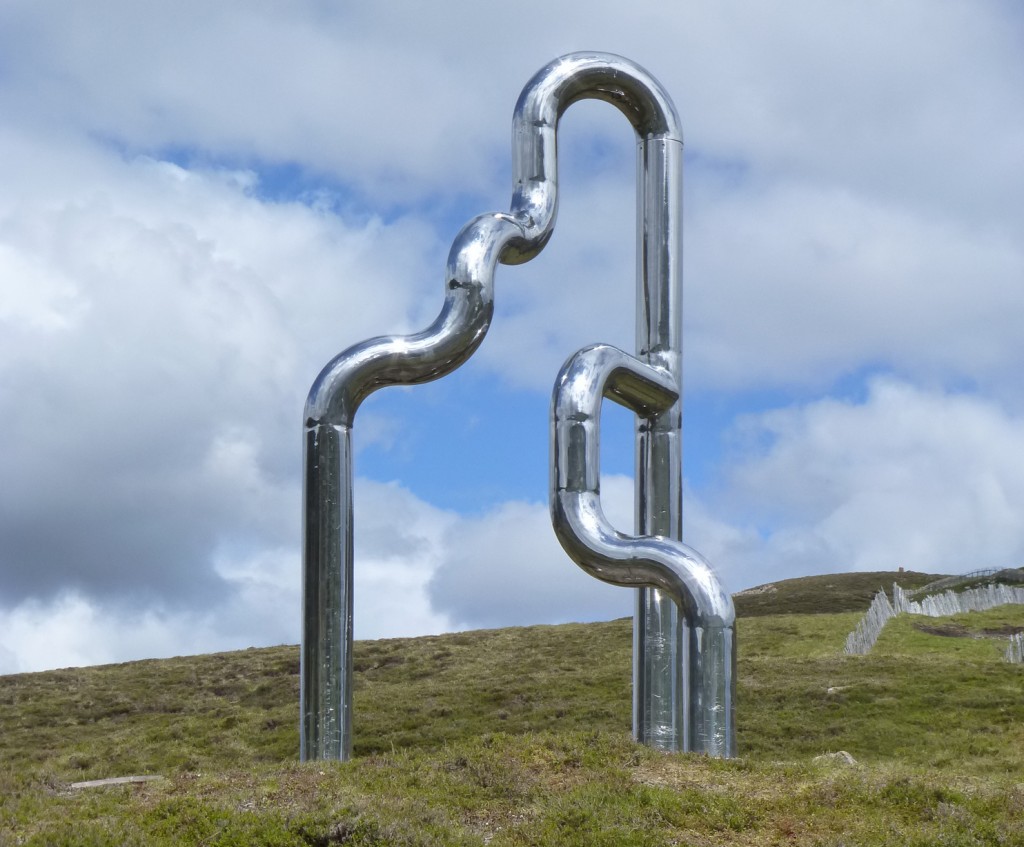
x=696, y=708
x=509, y=238
x=325, y=688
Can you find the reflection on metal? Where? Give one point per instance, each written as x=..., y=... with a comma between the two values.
x=684, y=663
x=684, y=675
x=684, y=649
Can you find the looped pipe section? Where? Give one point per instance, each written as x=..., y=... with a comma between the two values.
x=703, y=670
x=508, y=238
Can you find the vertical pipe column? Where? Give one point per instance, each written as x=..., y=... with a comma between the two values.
x=326, y=654
x=712, y=707
x=660, y=634
x=673, y=645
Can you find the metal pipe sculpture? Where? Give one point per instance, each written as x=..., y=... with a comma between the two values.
x=675, y=660
x=684, y=646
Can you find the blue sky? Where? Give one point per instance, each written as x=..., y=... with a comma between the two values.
x=201, y=205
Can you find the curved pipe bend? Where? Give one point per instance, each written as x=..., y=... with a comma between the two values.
x=596, y=372
x=577, y=76
x=410, y=359
x=509, y=238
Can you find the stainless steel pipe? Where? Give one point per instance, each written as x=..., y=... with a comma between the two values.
x=669, y=653
x=684, y=668
x=325, y=695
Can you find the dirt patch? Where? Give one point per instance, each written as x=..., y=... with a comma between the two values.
x=956, y=630
x=1004, y=631
x=947, y=630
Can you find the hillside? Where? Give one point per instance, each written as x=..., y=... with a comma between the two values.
x=521, y=737
x=814, y=595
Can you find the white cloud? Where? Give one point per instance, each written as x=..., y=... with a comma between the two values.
x=72, y=631
x=799, y=284
x=400, y=541
x=507, y=568
x=582, y=288
x=160, y=329
x=418, y=570
x=868, y=159
x=911, y=477
x=335, y=90
x=853, y=204
x=398, y=100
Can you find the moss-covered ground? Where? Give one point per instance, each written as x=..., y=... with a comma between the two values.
x=521, y=737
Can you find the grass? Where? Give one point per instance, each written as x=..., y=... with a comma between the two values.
x=813, y=595
x=520, y=737
x=976, y=635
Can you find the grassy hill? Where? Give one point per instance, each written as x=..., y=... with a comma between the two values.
x=521, y=737
x=815, y=595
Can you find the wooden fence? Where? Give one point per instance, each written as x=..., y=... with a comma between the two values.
x=863, y=638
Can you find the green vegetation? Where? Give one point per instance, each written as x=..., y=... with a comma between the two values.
x=520, y=737
x=977, y=635
x=817, y=595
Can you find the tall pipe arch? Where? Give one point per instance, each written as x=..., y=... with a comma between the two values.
x=511, y=238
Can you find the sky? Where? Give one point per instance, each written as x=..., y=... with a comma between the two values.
x=202, y=203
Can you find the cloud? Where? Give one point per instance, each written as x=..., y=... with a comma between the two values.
x=159, y=330
x=821, y=159
x=800, y=285
x=72, y=631
x=395, y=102
x=257, y=606
x=507, y=568
x=203, y=205
x=791, y=285
x=400, y=541
x=907, y=477
x=330, y=89
x=582, y=288
x=418, y=570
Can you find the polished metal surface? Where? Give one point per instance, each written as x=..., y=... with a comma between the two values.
x=325, y=698
x=683, y=664
x=684, y=694
x=684, y=658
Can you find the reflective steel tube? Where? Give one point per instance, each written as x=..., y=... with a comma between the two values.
x=690, y=693
x=325, y=675
x=325, y=710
